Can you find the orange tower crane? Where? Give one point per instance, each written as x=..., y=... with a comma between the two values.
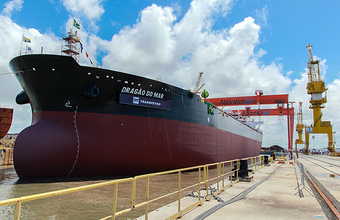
x=299, y=127
x=316, y=88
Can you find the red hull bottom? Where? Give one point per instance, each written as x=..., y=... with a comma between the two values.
x=64, y=144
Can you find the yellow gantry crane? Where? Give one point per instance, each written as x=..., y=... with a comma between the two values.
x=316, y=88
x=299, y=127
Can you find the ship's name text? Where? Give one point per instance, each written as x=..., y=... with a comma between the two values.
x=142, y=92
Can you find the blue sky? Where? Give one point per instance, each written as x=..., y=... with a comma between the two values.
x=241, y=45
x=286, y=26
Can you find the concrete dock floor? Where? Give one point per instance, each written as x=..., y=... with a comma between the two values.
x=278, y=197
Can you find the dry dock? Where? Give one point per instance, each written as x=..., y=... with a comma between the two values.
x=280, y=191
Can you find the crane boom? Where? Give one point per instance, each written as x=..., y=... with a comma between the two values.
x=197, y=85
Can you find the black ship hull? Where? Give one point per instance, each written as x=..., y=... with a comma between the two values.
x=93, y=122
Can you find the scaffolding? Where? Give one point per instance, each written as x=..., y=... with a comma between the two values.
x=71, y=45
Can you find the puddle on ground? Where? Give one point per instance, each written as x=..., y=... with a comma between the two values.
x=328, y=175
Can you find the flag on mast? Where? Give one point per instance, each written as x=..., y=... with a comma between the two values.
x=81, y=47
x=75, y=24
x=26, y=39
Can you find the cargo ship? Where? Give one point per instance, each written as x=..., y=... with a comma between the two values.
x=89, y=121
x=6, y=116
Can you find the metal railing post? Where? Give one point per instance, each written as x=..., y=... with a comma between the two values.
x=147, y=197
x=238, y=168
x=223, y=176
x=231, y=171
x=199, y=183
x=179, y=191
x=218, y=176
x=133, y=193
x=115, y=201
x=255, y=163
x=17, y=211
x=207, y=179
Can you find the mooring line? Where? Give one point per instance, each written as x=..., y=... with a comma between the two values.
x=19, y=71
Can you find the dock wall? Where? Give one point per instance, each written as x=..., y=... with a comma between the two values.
x=6, y=156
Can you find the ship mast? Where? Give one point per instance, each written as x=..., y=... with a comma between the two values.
x=71, y=45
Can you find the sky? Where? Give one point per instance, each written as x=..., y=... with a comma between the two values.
x=241, y=46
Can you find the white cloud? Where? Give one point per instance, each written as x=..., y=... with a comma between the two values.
x=86, y=12
x=149, y=43
x=289, y=73
x=157, y=47
x=11, y=6
x=160, y=46
x=11, y=38
x=92, y=9
x=261, y=16
x=176, y=52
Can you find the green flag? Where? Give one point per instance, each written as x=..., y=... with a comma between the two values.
x=210, y=109
x=76, y=24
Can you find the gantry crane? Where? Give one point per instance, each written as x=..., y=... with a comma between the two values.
x=280, y=100
x=299, y=127
x=316, y=88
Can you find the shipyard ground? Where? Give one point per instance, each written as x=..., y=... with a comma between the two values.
x=284, y=194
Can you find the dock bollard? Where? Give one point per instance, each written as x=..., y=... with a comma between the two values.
x=243, y=172
x=266, y=159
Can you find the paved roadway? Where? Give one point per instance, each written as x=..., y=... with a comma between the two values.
x=278, y=197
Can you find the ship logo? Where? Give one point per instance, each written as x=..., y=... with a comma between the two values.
x=136, y=100
x=68, y=104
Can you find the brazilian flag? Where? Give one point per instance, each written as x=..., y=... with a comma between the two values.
x=75, y=24
x=210, y=109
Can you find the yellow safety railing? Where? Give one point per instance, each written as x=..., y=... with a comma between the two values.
x=225, y=172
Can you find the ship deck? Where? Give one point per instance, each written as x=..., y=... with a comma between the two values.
x=286, y=194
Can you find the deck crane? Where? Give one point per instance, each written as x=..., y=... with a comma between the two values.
x=299, y=127
x=316, y=88
x=198, y=82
